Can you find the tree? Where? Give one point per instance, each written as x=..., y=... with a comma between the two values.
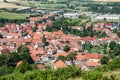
x=92, y=75
x=12, y=59
x=1, y=36
x=66, y=48
x=71, y=57
x=112, y=45
x=24, y=67
x=44, y=40
x=117, y=31
x=5, y=69
x=34, y=29
x=114, y=64
x=117, y=50
x=4, y=0
x=63, y=58
x=23, y=52
x=104, y=60
x=2, y=60
x=23, y=49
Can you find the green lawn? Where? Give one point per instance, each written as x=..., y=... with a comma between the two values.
x=98, y=49
x=10, y=15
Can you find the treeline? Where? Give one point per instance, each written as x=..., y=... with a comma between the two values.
x=3, y=21
x=65, y=23
x=117, y=31
x=104, y=8
x=9, y=61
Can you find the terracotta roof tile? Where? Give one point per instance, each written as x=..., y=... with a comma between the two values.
x=19, y=63
x=92, y=56
x=60, y=64
x=61, y=54
x=14, y=34
x=94, y=64
x=79, y=56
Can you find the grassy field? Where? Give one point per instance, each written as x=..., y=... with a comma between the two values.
x=9, y=5
x=108, y=0
x=9, y=15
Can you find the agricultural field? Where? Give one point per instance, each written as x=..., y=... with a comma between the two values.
x=10, y=15
x=9, y=5
x=108, y=0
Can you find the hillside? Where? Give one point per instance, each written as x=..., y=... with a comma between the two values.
x=108, y=0
x=64, y=0
x=9, y=5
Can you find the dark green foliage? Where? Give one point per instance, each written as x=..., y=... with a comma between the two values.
x=87, y=46
x=92, y=75
x=115, y=50
x=24, y=67
x=12, y=59
x=66, y=48
x=117, y=31
x=24, y=34
x=44, y=40
x=65, y=22
x=27, y=72
x=34, y=29
x=8, y=61
x=22, y=49
x=63, y=58
x=1, y=36
x=114, y=64
x=104, y=60
x=2, y=60
x=112, y=45
x=83, y=17
x=47, y=74
x=5, y=69
x=27, y=57
x=71, y=56
x=103, y=68
x=23, y=52
x=104, y=8
x=3, y=21
x=37, y=15
x=111, y=77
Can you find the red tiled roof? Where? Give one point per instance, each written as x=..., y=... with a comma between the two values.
x=79, y=56
x=60, y=54
x=92, y=56
x=34, y=57
x=14, y=34
x=58, y=32
x=28, y=40
x=60, y=64
x=19, y=63
x=12, y=40
x=40, y=26
x=86, y=39
x=35, y=19
x=94, y=64
x=3, y=46
x=105, y=39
